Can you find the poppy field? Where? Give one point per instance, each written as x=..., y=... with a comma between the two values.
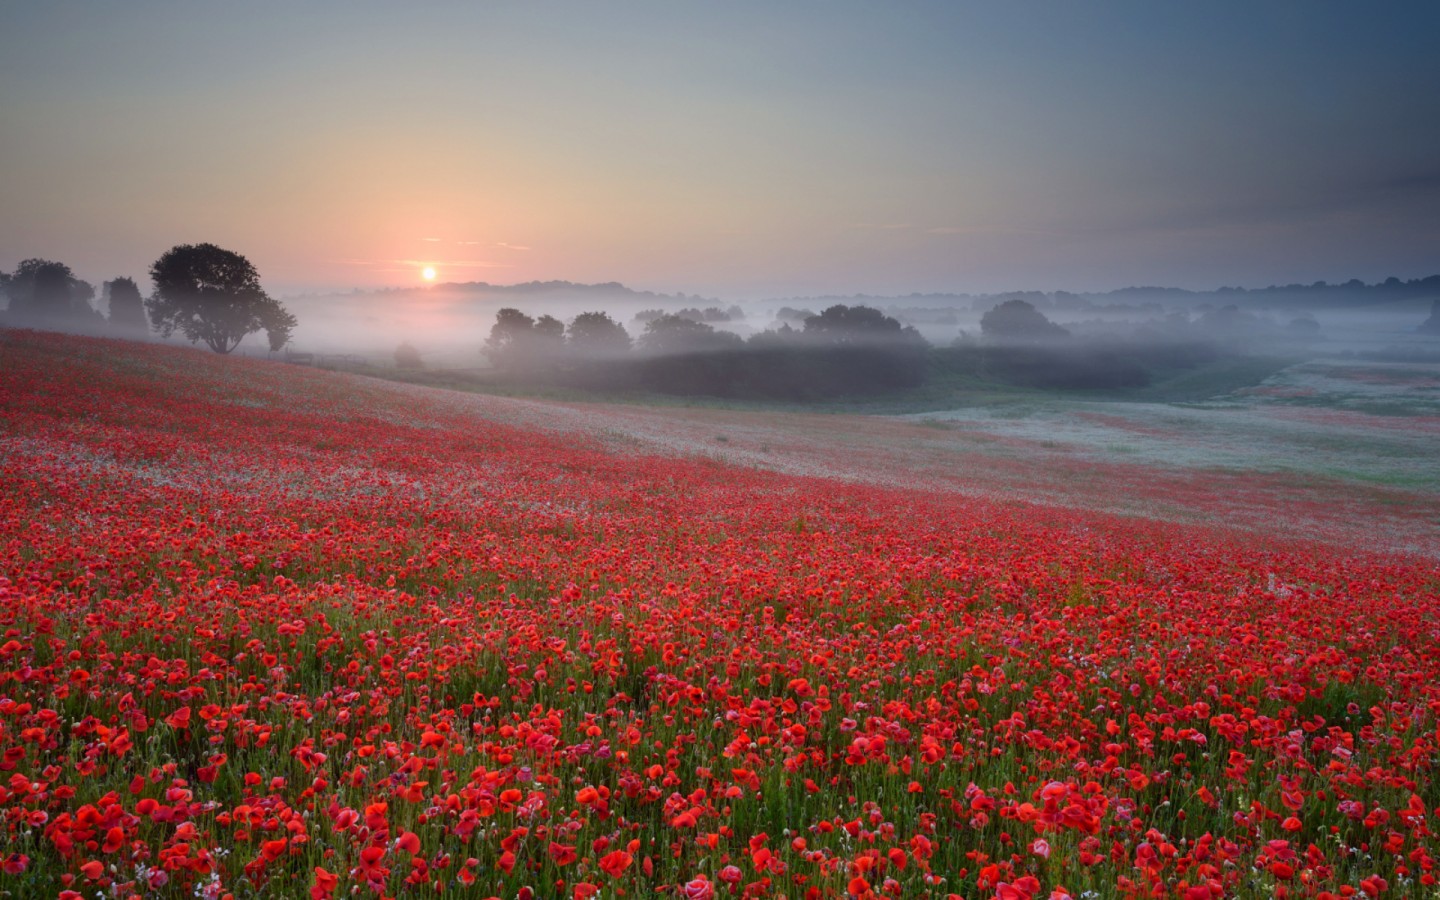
x=275, y=632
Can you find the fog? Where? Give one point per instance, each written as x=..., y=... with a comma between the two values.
x=1050, y=339
x=452, y=322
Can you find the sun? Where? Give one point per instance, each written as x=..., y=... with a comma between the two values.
x=428, y=273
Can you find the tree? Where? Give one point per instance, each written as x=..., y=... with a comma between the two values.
x=1231, y=323
x=860, y=349
x=670, y=334
x=548, y=336
x=510, y=338
x=46, y=293
x=1432, y=324
x=1017, y=321
x=683, y=356
x=843, y=325
x=407, y=357
x=596, y=335
x=213, y=295
x=50, y=292
x=127, y=309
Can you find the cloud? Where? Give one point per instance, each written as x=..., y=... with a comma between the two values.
x=431, y=240
x=511, y=246
x=882, y=226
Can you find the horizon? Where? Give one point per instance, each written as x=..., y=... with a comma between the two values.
x=742, y=153
x=560, y=284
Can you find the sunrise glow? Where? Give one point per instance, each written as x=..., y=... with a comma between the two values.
x=428, y=273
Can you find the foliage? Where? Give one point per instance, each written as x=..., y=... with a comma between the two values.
x=46, y=294
x=127, y=308
x=549, y=337
x=1432, y=324
x=213, y=295
x=407, y=357
x=669, y=335
x=511, y=341
x=1017, y=321
x=596, y=335
x=841, y=325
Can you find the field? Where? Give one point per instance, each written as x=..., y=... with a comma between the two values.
x=278, y=632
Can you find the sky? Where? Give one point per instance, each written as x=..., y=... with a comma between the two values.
x=736, y=150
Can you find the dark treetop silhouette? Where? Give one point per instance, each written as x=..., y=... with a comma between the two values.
x=46, y=294
x=213, y=295
x=127, y=309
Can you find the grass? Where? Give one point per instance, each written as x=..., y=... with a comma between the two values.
x=943, y=390
x=1223, y=377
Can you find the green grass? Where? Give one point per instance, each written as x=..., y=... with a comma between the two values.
x=943, y=389
x=1218, y=379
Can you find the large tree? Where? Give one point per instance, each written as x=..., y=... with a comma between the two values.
x=213, y=295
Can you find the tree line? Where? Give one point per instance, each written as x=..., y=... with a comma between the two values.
x=843, y=350
x=206, y=293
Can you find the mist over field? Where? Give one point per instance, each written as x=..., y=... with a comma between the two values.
x=451, y=319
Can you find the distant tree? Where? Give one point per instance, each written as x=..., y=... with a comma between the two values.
x=46, y=294
x=596, y=335
x=842, y=325
x=1432, y=324
x=213, y=295
x=127, y=309
x=1231, y=323
x=682, y=356
x=1019, y=321
x=671, y=334
x=862, y=350
x=780, y=338
x=511, y=338
x=407, y=357
x=50, y=292
x=549, y=338
x=82, y=310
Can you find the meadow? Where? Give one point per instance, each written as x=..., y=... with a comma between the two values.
x=277, y=632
